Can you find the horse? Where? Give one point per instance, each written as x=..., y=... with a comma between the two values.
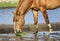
x=35, y=5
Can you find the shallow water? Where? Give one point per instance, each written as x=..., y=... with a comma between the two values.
x=54, y=16
x=41, y=36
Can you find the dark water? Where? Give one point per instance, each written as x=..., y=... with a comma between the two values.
x=30, y=37
x=6, y=16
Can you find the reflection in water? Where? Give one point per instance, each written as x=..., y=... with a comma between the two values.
x=35, y=38
x=19, y=39
x=29, y=37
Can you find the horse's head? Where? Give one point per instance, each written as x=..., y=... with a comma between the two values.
x=16, y=21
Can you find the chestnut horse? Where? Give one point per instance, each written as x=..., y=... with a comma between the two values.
x=36, y=5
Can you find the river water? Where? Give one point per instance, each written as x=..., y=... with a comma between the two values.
x=6, y=16
x=41, y=36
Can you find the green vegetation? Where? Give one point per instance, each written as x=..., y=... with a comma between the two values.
x=8, y=4
x=20, y=34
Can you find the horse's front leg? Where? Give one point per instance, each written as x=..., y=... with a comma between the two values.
x=35, y=14
x=45, y=15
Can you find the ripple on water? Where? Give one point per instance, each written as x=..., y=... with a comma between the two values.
x=30, y=37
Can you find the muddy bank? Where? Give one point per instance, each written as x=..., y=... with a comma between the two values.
x=8, y=28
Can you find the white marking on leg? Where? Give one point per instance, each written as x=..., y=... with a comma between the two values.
x=49, y=25
x=50, y=28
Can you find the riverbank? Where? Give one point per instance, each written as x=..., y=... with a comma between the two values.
x=8, y=28
x=8, y=4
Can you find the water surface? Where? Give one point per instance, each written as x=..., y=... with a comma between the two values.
x=6, y=16
x=41, y=36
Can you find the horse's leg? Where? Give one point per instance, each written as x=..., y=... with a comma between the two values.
x=44, y=12
x=25, y=6
x=35, y=14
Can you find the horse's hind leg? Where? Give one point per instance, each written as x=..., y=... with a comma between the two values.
x=35, y=14
x=43, y=10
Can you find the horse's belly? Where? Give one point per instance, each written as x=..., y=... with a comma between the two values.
x=51, y=4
